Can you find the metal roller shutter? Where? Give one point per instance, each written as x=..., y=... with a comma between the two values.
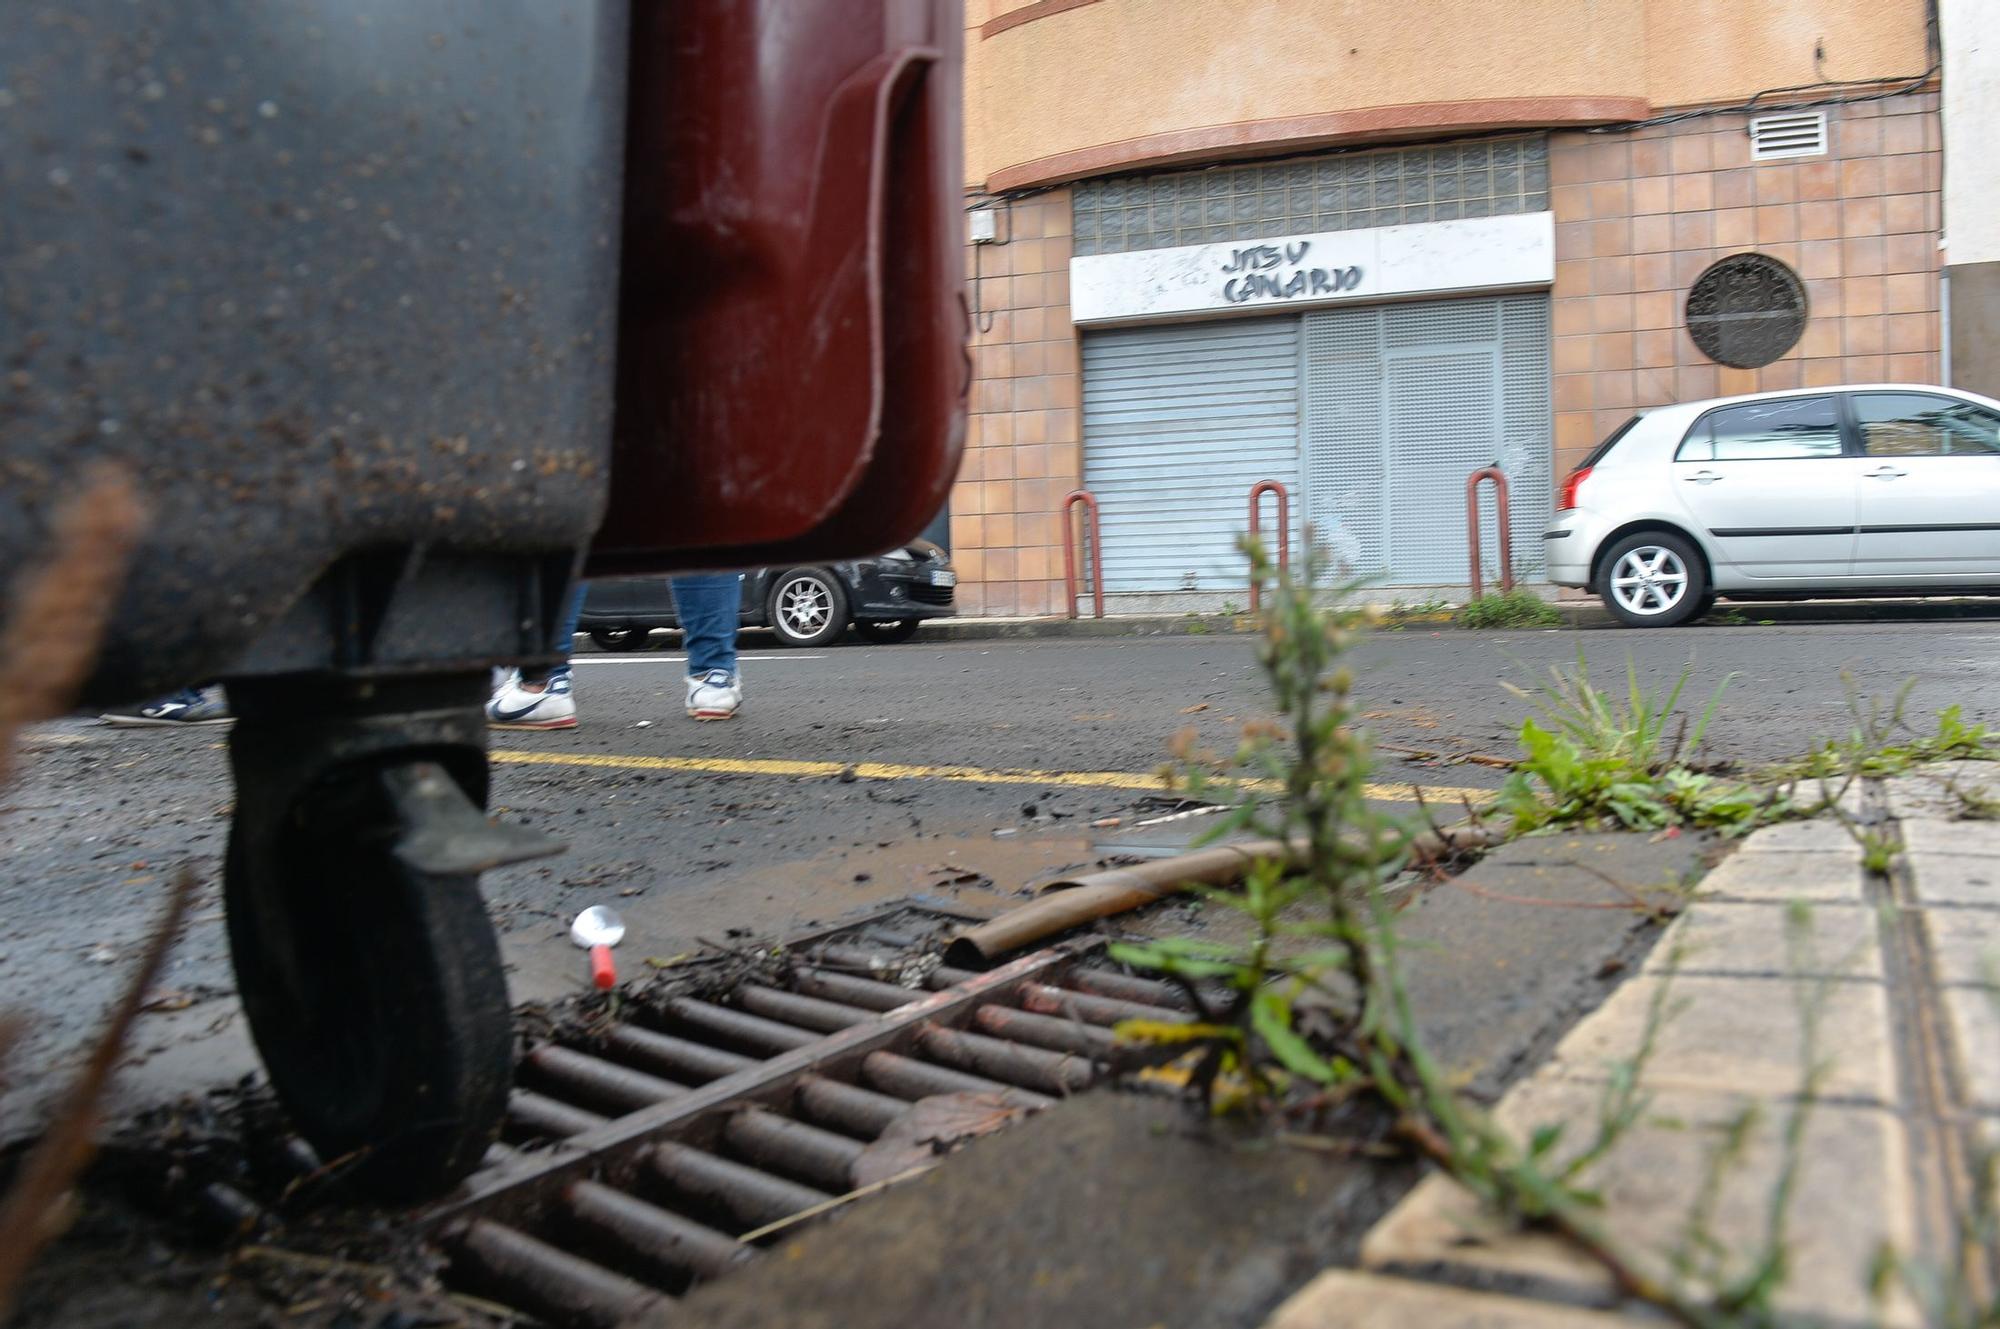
x=1402, y=403
x=1178, y=424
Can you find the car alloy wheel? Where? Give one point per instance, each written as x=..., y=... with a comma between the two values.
x=1649, y=581
x=808, y=608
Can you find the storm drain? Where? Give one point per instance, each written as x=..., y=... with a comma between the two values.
x=666, y=1152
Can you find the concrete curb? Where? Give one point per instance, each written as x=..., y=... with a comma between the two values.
x=1577, y=615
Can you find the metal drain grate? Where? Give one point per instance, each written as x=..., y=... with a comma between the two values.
x=678, y=1139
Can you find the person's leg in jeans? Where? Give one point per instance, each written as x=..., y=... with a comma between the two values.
x=539, y=698
x=707, y=605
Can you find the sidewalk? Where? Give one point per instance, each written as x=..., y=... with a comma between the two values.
x=1900, y=971
x=1577, y=614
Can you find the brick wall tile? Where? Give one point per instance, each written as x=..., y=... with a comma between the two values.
x=1690, y=152
x=1867, y=368
x=1860, y=296
x=1912, y=368
x=1652, y=272
x=1819, y=180
x=1573, y=354
x=1650, y=235
x=1819, y=258
x=1654, y=349
x=1909, y=293
x=1864, y=336
x=1909, y=253
x=1776, y=182
x=968, y=530
x=1903, y=133
x=1856, y=136
x=1777, y=223
x=1823, y=297
x=1652, y=194
x=1861, y=216
x=1611, y=313
x=1780, y=375
x=1694, y=193
x=1907, y=333
x=1651, y=157
x=1736, y=228
x=1821, y=337
x=1695, y=382
x=1610, y=276
x=1610, y=198
x=1652, y=387
x=1610, y=237
x=1694, y=230
x=1031, y=462
x=1735, y=189
x=1731, y=382
x=1572, y=277
x=997, y=497
x=1906, y=212
x=1819, y=221
x=1861, y=178
x=1652, y=310
x=1572, y=240
x=1612, y=351
x=1729, y=148
x=1570, y=315
x=1572, y=392
x=1861, y=256
x=1000, y=532
x=1823, y=373
x=1000, y=565
x=1573, y=431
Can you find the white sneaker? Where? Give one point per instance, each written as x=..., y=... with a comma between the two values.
x=714, y=695
x=515, y=706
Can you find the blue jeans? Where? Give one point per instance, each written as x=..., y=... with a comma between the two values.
x=565, y=638
x=707, y=605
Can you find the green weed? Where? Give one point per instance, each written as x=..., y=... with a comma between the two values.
x=1508, y=609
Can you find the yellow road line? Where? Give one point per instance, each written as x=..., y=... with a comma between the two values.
x=878, y=770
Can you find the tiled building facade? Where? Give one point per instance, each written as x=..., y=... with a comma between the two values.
x=1637, y=217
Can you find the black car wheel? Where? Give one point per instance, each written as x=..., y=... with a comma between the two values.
x=621, y=639
x=890, y=633
x=807, y=607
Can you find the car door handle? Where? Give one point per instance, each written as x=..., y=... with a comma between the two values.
x=1702, y=478
x=1885, y=473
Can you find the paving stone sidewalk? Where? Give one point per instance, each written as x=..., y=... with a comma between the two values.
x=1901, y=968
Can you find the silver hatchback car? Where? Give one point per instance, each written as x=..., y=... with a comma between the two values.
x=1888, y=489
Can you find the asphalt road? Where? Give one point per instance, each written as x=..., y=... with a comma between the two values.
x=977, y=767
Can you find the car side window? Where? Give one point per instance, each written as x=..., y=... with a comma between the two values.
x=1921, y=424
x=1790, y=428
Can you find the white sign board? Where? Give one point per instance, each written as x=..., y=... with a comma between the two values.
x=1333, y=267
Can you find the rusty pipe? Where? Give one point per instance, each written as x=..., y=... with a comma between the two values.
x=1284, y=496
x=1089, y=501
x=533, y=1114
x=657, y=1236
x=862, y=1113
x=561, y=1287
x=663, y=1054
x=793, y=1149
x=598, y=1082
x=747, y=1195
x=1078, y=900
x=1499, y=479
x=806, y=1012
x=1075, y=901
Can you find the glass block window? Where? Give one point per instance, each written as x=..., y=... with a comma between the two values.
x=1343, y=192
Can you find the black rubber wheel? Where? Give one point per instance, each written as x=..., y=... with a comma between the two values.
x=1652, y=579
x=891, y=633
x=1702, y=607
x=374, y=991
x=621, y=639
x=807, y=607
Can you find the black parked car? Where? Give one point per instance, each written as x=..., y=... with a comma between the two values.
x=885, y=598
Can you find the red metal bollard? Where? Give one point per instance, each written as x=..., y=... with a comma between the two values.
x=1499, y=479
x=1089, y=502
x=1257, y=491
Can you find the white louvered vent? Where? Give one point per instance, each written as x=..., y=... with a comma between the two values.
x=1798, y=135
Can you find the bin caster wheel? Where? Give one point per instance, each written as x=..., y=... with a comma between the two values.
x=369, y=970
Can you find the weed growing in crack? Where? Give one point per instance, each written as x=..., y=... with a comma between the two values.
x=1594, y=757
x=1508, y=609
x=1312, y=908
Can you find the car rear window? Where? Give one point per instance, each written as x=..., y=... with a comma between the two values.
x=1598, y=453
x=1788, y=429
